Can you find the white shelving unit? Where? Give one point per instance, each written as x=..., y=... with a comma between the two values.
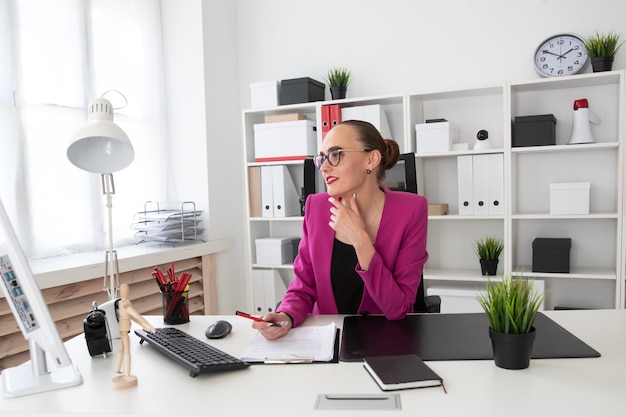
x=596, y=278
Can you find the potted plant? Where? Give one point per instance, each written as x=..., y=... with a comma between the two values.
x=511, y=305
x=601, y=49
x=488, y=250
x=338, y=79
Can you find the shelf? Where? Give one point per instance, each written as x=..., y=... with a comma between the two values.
x=577, y=273
x=585, y=147
x=598, y=249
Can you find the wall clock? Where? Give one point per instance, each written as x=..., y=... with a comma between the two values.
x=560, y=55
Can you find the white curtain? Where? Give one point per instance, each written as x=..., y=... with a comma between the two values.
x=57, y=56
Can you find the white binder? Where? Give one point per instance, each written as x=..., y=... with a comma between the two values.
x=258, y=291
x=267, y=192
x=496, y=184
x=480, y=178
x=274, y=289
x=465, y=185
x=285, y=194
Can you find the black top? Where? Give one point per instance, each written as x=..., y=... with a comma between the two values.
x=347, y=284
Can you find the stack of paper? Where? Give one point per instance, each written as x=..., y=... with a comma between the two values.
x=300, y=345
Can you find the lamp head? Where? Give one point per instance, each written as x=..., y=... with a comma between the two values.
x=100, y=146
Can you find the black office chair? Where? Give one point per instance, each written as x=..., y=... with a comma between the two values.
x=426, y=303
x=423, y=303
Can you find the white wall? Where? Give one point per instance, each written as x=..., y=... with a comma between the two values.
x=203, y=107
x=391, y=47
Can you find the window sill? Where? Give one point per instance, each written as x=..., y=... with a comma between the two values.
x=65, y=270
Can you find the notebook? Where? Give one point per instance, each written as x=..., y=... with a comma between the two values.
x=401, y=372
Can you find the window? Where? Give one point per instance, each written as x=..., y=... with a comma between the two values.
x=61, y=55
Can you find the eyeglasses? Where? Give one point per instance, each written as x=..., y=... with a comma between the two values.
x=334, y=156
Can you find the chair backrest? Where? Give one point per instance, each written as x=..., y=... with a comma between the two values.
x=424, y=303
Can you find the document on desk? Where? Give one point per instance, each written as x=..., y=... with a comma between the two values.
x=300, y=345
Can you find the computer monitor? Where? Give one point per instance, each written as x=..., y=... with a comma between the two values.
x=50, y=367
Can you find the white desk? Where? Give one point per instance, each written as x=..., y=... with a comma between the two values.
x=549, y=387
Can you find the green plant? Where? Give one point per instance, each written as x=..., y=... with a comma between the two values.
x=338, y=77
x=600, y=44
x=511, y=304
x=488, y=248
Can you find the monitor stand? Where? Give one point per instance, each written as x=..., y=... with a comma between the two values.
x=33, y=377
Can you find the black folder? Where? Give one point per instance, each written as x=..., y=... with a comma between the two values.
x=444, y=337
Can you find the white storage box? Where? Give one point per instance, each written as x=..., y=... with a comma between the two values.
x=284, y=141
x=373, y=114
x=274, y=250
x=264, y=94
x=457, y=300
x=569, y=198
x=435, y=137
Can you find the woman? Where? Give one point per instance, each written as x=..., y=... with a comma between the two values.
x=363, y=247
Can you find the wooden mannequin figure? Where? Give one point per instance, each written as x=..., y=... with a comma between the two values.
x=126, y=314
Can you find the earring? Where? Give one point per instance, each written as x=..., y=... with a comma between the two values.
x=368, y=171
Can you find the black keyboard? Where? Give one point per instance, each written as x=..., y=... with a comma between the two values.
x=192, y=353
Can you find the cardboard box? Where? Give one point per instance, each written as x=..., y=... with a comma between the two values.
x=291, y=117
x=274, y=250
x=551, y=255
x=301, y=90
x=435, y=137
x=264, y=94
x=437, y=209
x=534, y=130
x=284, y=141
x=569, y=198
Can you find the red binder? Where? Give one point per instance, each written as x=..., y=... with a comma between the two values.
x=335, y=115
x=325, y=120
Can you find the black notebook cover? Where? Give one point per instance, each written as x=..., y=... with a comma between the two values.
x=443, y=337
x=401, y=372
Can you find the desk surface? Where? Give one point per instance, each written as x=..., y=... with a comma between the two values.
x=549, y=387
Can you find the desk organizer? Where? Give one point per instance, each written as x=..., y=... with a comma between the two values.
x=167, y=221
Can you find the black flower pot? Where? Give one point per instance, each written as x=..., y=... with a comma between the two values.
x=602, y=63
x=338, y=93
x=512, y=350
x=489, y=266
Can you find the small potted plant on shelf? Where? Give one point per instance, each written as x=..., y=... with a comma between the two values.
x=338, y=79
x=511, y=305
x=488, y=250
x=601, y=49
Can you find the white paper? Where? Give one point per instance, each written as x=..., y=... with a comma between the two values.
x=315, y=343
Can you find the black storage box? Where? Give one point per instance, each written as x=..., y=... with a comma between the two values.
x=534, y=130
x=551, y=255
x=295, y=242
x=301, y=90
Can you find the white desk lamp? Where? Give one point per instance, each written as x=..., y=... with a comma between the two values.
x=102, y=147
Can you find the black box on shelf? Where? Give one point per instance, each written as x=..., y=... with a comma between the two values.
x=301, y=90
x=534, y=130
x=295, y=242
x=551, y=254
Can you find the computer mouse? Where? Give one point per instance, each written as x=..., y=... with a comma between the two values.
x=219, y=329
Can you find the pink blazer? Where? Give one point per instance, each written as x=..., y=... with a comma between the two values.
x=395, y=271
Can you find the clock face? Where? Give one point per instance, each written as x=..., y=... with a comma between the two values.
x=560, y=55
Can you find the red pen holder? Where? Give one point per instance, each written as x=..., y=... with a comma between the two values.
x=175, y=307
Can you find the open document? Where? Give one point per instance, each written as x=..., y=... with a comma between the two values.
x=301, y=345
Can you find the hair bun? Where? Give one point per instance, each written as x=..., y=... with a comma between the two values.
x=392, y=154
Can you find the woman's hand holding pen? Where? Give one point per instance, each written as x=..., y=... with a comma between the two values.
x=269, y=330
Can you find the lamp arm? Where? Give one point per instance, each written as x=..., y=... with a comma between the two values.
x=112, y=271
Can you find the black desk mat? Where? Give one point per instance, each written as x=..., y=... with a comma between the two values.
x=441, y=337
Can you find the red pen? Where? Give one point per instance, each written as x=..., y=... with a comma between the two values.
x=248, y=316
